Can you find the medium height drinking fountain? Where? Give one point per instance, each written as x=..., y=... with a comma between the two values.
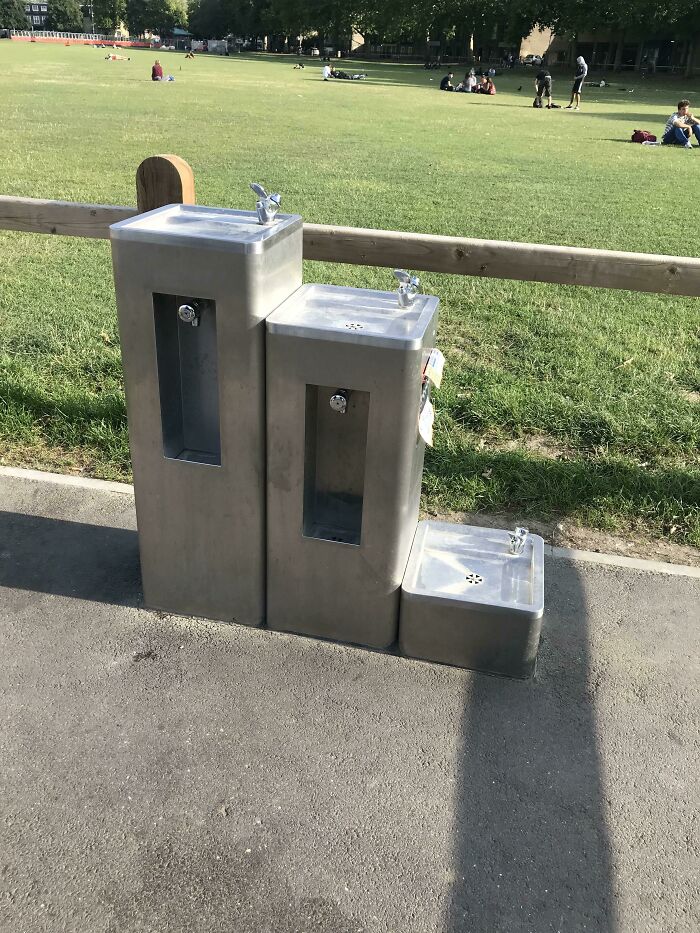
x=194, y=286
x=345, y=391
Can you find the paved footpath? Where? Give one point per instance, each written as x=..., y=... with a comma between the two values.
x=162, y=774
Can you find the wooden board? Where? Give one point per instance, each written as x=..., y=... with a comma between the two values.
x=527, y=262
x=32, y=215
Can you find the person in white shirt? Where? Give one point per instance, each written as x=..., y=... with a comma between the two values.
x=327, y=72
x=681, y=126
x=581, y=72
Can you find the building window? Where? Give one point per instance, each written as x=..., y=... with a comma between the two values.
x=36, y=20
x=35, y=6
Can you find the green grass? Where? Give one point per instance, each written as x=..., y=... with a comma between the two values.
x=558, y=401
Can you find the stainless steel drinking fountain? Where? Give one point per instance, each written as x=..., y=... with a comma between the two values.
x=194, y=286
x=474, y=597
x=345, y=387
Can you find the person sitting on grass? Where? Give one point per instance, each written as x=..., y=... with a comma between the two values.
x=446, y=83
x=487, y=86
x=680, y=126
x=156, y=71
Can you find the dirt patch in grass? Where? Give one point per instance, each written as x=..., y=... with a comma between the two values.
x=690, y=396
x=568, y=534
x=539, y=444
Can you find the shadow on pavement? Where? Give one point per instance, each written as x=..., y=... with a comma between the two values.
x=531, y=847
x=73, y=559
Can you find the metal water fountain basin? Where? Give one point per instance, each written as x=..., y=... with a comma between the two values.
x=473, y=597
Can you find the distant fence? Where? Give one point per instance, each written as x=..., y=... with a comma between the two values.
x=77, y=38
x=168, y=179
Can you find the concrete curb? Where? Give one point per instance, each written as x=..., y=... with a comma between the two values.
x=556, y=553
x=619, y=560
x=65, y=479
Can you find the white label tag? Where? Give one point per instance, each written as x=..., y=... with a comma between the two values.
x=434, y=367
x=426, y=421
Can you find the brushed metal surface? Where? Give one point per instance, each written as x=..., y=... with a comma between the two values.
x=467, y=601
x=202, y=526
x=318, y=586
x=188, y=380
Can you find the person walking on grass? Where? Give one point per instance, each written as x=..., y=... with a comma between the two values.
x=581, y=72
x=681, y=126
x=543, y=86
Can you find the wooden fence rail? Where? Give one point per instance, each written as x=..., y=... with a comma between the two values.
x=168, y=179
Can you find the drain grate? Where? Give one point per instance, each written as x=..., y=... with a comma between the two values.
x=354, y=325
x=473, y=579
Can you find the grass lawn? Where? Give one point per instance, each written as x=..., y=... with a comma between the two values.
x=558, y=401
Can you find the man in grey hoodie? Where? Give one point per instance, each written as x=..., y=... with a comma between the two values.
x=581, y=72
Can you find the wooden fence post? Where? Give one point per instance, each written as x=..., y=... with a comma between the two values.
x=164, y=179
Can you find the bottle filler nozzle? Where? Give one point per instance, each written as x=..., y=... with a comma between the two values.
x=409, y=287
x=267, y=205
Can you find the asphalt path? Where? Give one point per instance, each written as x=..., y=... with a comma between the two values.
x=165, y=774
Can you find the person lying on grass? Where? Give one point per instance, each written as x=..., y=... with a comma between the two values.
x=680, y=126
x=344, y=76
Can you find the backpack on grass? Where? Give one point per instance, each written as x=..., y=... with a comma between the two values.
x=643, y=136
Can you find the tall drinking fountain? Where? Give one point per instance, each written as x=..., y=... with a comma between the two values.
x=345, y=389
x=194, y=286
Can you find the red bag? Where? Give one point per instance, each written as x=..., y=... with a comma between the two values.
x=643, y=136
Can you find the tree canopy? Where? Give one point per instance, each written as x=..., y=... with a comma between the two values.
x=65, y=16
x=394, y=19
x=158, y=16
x=12, y=14
x=391, y=20
x=108, y=14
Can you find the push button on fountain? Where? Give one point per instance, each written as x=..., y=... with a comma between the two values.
x=189, y=314
x=339, y=401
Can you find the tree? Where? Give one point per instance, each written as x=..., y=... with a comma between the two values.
x=108, y=14
x=160, y=16
x=64, y=16
x=212, y=18
x=12, y=14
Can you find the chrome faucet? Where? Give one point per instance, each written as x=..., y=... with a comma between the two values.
x=517, y=540
x=267, y=204
x=409, y=287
